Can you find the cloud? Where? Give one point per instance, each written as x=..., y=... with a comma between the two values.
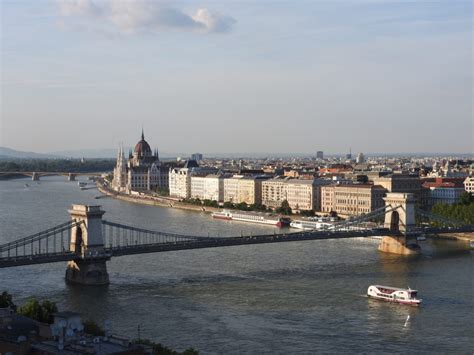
x=213, y=22
x=139, y=16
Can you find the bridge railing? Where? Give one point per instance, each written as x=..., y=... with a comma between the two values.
x=439, y=220
x=117, y=235
x=52, y=241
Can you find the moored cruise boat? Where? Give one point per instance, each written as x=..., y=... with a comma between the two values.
x=310, y=225
x=253, y=217
x=222, y=215
x=394, y=294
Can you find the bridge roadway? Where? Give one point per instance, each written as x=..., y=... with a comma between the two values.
x=211, y=242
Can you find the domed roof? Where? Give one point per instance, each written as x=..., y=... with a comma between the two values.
x=142, y=147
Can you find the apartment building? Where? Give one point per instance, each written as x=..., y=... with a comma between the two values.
x=300, y=194
x=198, y=183
x=180, y=182
x=231, y=188
x=239, y=189
x=444, y=190
x=207, y=187
x=353, y=199
x=214, y=188
x=180, y=179
x=273, y=192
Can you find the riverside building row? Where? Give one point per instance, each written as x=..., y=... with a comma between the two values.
x=342, y=188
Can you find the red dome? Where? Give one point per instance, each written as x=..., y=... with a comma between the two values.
x=142, y=148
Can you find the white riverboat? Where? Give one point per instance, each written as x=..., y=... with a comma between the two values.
x=310, y=225
x=394, y=294
x=253, y=217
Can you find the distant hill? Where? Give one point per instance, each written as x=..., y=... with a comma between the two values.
x=99, y=153
x=88, y=153
x=8, y=153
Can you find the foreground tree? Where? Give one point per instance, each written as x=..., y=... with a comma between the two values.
x=42, y=312
x=6, y=300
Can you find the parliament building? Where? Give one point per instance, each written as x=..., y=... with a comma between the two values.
x=141, y=172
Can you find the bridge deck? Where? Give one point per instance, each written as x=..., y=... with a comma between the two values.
x=37, y=259
x=203, y=242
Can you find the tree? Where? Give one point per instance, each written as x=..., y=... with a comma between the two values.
x=41, y=312
x=48, y=309
x=284, y=208
x=31, y=309
x=6, y=300
x=228, y=204
x=466, y=198
x=307, y=213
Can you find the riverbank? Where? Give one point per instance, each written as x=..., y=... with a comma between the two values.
x=153, y=200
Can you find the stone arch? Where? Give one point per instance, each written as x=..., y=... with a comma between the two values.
x=394, y=222
x=401, y=215
x=78, y=238
x=79, y=241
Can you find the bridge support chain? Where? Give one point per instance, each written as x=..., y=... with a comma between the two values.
x=87, y=272
x=401, y=245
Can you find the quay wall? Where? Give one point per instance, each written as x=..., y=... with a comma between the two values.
x=154, y=201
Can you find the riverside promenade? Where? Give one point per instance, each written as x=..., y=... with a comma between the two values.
x=146, y=199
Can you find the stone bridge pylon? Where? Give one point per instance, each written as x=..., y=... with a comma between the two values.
x=87, y=241
x=400, y=220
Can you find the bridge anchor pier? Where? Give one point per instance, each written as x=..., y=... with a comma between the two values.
x=87, y=272
x=399, y=245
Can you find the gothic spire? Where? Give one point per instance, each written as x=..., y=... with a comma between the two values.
x=143, y=135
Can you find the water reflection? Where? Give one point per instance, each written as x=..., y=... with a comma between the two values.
x=296, y=297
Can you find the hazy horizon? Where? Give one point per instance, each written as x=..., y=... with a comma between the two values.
x=206, y=76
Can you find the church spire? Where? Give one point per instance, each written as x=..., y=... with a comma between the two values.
x=143, y=135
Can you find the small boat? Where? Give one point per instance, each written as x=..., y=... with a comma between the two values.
x=26, y=185
x=394, y=294
x=82, y=184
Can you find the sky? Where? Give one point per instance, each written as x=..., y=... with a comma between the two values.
x=238, y=76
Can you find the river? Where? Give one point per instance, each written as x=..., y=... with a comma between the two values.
x=299, y=297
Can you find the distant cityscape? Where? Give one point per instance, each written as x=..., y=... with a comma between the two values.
x=349, y=185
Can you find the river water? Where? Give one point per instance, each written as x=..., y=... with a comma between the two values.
x=299, y=297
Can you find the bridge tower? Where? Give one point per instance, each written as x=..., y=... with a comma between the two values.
x=400, y=221
x=87, y=241
x=71, y=177
x=35, y=176
x=403, y=218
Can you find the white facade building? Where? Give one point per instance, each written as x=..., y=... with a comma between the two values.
x=469, y=184
x=214, y=188
x=180, y=184
x=207, y=187
x=231, y=188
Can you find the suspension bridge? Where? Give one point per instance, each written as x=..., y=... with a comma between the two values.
x=88, y=241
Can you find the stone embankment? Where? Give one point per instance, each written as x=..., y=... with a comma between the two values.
x=145, y=199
